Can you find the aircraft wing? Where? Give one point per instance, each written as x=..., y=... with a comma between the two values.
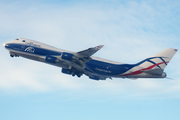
x=76, y=61
x=89, y=52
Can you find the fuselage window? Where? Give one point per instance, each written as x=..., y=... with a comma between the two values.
x=23, y=41
x=17, y=39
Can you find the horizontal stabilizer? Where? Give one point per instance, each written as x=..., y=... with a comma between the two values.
x=153, y=71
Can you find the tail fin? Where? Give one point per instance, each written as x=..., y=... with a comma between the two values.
x=159, y=60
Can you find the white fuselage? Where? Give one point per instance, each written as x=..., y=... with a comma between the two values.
x=95, y=68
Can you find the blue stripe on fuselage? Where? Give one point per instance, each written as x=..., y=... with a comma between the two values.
x=37, y=50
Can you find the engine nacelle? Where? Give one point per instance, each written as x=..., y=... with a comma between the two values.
x=50, y=59
x=67, y=56
x=66, y=71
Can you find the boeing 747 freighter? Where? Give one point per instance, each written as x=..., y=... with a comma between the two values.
x=82, y=62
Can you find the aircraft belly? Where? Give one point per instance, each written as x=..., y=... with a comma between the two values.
x=144, y=75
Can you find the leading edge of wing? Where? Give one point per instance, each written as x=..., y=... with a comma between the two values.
x=90, y=51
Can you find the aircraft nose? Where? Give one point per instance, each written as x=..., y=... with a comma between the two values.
x=4, y=44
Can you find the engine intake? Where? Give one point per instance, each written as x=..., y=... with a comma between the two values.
x=50, y=59
x=69, y=56
x=72, y=72
x=66, y=71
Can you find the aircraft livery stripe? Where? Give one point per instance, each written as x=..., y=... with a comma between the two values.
x=154, y=63
x=163, y=60
x=140, y=71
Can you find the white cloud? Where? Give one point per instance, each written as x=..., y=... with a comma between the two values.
x=130, y=31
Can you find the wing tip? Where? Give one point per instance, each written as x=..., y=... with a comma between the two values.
x=99, y=47
x=175, y=49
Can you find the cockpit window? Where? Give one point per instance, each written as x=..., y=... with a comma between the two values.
x=17, y=39
x=23, y=41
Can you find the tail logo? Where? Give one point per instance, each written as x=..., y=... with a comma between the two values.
x=154, y=64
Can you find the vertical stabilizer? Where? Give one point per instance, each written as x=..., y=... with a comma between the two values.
x=159, y=60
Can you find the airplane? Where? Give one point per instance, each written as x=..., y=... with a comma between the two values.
x=82, y=62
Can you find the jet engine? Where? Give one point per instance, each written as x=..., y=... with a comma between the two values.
x=69, y=56
x=50, y=59
x=72, y=72
x=66, y=71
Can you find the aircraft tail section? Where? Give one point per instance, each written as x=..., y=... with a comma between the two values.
x=157, y=62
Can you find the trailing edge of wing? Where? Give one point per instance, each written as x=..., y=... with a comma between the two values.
x=89, y=52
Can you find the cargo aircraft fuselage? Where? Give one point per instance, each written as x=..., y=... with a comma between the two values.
x=82, y=62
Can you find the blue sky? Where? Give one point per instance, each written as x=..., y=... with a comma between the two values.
x=130, y=30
